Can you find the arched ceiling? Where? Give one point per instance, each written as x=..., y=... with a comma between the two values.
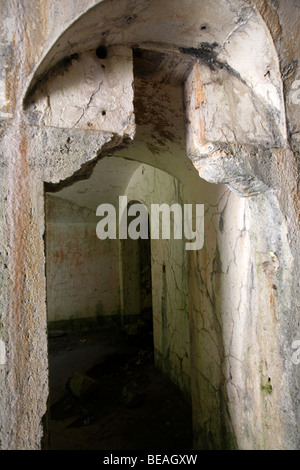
x=159, y=142
x=226, y=38
x=218, y=33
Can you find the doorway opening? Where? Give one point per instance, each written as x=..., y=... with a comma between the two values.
x=105, y=391
x=136, y=276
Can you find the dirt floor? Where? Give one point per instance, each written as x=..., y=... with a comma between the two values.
x=106, y=395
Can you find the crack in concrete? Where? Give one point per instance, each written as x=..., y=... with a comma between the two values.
x=88, y=104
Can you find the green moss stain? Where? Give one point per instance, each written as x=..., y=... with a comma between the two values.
x=265, y=382
x=266, y=387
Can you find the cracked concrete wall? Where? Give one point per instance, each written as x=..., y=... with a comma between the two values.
x=237, y=303
x=267, y=166
x=30, y=155
x=23, y=313
x=150, y=185
x=81, y=97
x=223, y=147
x=282, y=19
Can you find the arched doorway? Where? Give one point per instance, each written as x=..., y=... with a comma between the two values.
x=95, y=282
x=224, y=154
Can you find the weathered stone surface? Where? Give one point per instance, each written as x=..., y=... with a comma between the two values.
x=224, y=143
x=88, y=93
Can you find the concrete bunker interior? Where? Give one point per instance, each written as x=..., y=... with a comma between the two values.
x=135, y=286
x=137, y=169
x=186, y=101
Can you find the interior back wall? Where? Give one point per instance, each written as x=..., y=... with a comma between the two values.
x=82, y=274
